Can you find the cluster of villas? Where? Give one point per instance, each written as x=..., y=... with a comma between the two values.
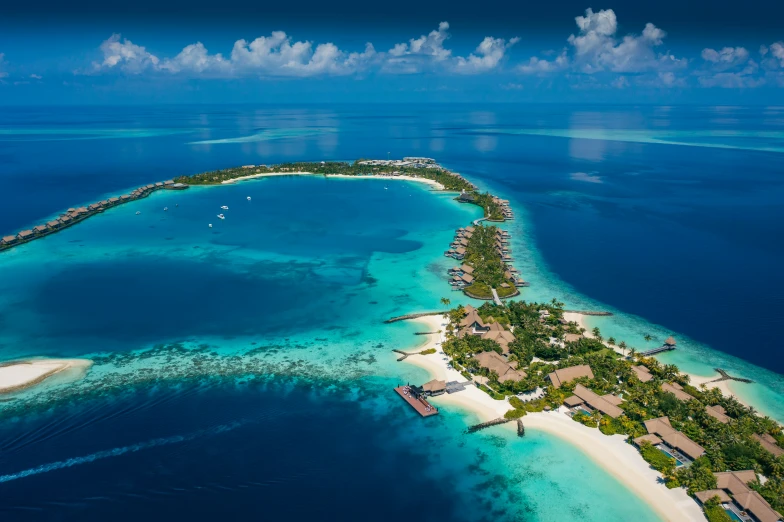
x=473, y=324
x=463, y=275
x=75, y=215
x=738, y=499
x=410, y=161
x=505, y=209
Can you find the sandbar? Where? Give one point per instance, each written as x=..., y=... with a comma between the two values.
x=18, y=375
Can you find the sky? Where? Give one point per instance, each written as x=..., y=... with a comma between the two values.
x=196, y=51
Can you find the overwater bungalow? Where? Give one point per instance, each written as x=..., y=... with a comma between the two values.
x=40, y=229
x=670, y=341
x=768, y=443
x=586, y=401
x=495, y=363
x=470, y=229
x=93, y=207
x=114, y=201
x=564, y=375
x=24, y=234
x=8, y=240
x=53, y=224
x=459, y=253
x=434, y=387
x=642, y=373
x=739, y=500
x=677, y=390
x=673, y=442
x=468, y=278
x=466, y=269
x=168, y=182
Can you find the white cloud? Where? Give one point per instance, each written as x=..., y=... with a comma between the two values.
x=585, y=177
x=725, y=58
x=274, y=55
x=36, y=76
x=488, y=56
x=431, y=45
x=125, y=55
x=596, y=48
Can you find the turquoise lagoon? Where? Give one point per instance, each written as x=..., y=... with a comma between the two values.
x=215, y=345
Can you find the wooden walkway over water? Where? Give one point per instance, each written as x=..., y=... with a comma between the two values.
x=654, y=351
x=422, y=407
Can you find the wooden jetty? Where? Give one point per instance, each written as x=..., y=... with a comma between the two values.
x=422, y=407
x=588, y=312
x=413, y=316
x=654, y=351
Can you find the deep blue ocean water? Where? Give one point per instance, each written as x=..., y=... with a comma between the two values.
x=666, y=215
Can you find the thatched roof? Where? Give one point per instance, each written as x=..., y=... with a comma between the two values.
x=434, y=386
x=559, y=377
x=717, y=412
x=596, y=402
x=670, y=341
x=494, y=362
x=642, y=373
x=735, y=482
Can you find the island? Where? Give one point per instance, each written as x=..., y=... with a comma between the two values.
x=16, y=376
x=535, y=363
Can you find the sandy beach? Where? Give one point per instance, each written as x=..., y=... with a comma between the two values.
x=18, y=375
x=434, y=184
x=612, y=453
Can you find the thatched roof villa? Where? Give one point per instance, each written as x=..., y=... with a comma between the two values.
x=676, y=389
x=642, y=373
x=607, y=404
x=564, y=375
x=733, y=491
x=673, y=438
x=494, y=362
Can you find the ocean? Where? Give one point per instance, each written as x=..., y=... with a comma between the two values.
x=245, y=368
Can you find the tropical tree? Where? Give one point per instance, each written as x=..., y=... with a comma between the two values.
x=647, y=337
x=622, y=346
x=611, y=340
x=597, y=333
x=632, y=352
x=445, y=301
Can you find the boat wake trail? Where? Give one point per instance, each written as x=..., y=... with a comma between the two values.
x=116, y=452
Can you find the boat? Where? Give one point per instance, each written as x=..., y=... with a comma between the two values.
x=248, y=198
x=224, y=207
x=165, y=209
x=221, y=216
x=138, y=212
x=210, y=225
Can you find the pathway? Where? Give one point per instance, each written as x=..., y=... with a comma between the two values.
x=496, y=299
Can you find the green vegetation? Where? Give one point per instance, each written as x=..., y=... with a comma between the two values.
x=714, y=512
x=450, y=181
x=428, y=351
x=729, y=446
x=489, y=271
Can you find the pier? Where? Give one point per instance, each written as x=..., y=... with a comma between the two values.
x=654, y=351
x=496, y=299
x=412, y=316
x=727, y=377
x=422, y=407
x=588, y=312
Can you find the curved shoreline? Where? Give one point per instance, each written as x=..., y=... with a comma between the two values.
x=611, y=453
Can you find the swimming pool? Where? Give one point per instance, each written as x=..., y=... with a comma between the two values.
x=678, y=463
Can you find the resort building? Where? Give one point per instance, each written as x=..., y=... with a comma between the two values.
x=466, y=269
x=474, y=323
x=40, y=229
x=495, y=363
x=671, y=441
x=738, y=499
x=670, y=341
x=24, y=235
x=717, y=412
x=676, y=390
x=8, y=240
x=572, y=338
x=642, y=373
x=434, y=387
x=769, y=444
x=501, y=336
x=559, y=377
x=586, y=401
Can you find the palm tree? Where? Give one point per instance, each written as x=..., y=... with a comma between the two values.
x=622, y=346
x=632, y=352
x=445, y=301
x=597, y=333
x=647, y=337
x=611, y=340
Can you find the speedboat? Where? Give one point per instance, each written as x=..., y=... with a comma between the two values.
x=248, y=198
x=224, y=207
x=210, y=225
x=165, y=209
x=221, y=216
x=138, y=212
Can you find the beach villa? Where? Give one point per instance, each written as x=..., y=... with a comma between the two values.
x=586, y=401
x=642, y=373
x=670, y=441
x=738, y=499
x=474, y=323
x=768, y=443
x=717, y=412
x=564, y=375
x=676, y=389
x=495, y=363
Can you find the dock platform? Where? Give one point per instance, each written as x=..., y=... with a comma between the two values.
x=422, y=407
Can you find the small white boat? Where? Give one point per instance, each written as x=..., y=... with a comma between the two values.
x=248, y=198
x=165, y=209
x=138, y=212
x=210, y=225
x=386, y=188
x=224, y=207
x=221, y=216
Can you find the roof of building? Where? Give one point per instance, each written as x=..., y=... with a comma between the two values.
x=670, y=341
x=573, y=401
x=467, y=269
x=749, y=500
x=494, y=362
x=684, y=444
x=653, y=439
x=434, y=386
x=676, y=390
x=471, y=318
x=642, y=373
x=460, y=250
x=659, y=426
x=612, y=399
x=559, y=377
x=8, y=239
x=717, y=412
x=468, y=278
x=704, y=496
x=596, y=402
x=769, y=443
x=572, y=338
